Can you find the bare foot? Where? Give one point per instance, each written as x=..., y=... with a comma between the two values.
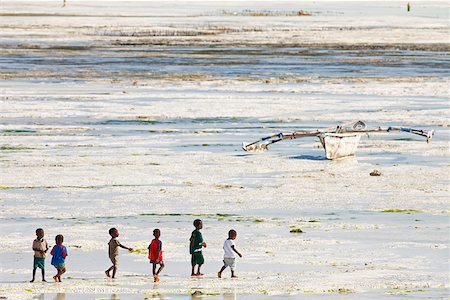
x=107, y=274
x=219, y=274
x=32, y=280
x=234, y=276
x=43, y=280
x=199, y=274
x=155, y=278
x=55, y=278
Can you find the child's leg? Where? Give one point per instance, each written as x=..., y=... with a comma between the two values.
x=219, y=274
x=60, y=273
x=233, y=267
x=55, y=278
x=193, y=271
x=34, y=274
x=200, y=261
x=109, y=270
x=155, y=273
x=161, y=266
x=43, y=274
x=114, y=272
x=58, y=278
x=198, y=270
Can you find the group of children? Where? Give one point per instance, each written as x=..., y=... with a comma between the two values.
x=59, y=253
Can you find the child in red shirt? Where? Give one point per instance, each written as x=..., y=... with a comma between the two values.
x=155, y=254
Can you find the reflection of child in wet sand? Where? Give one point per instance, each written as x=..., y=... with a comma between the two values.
x=195, y=248
x=113, y=251
x=40, y=248
x=59, y=253
x=229, y=254
x=155, y=254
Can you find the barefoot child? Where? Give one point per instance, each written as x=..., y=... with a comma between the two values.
x=229, y=256
x=155, y=254
x=195, y=247
x=40, y=247
x=113, y=251
x=59, y=253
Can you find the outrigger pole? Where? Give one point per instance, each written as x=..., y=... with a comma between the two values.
x=338, y=138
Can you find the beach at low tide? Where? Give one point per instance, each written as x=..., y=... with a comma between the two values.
x=132, y=114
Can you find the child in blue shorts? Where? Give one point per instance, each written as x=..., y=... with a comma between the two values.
x=59, y=253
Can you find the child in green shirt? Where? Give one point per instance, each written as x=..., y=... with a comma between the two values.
x=195, y=248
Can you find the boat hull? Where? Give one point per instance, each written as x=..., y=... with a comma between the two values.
x=339, y=145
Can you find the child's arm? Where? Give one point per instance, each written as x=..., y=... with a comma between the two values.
x=159, y=251
x=64, y=251
x=192, y=239
x=125, y=247
x=234, y=249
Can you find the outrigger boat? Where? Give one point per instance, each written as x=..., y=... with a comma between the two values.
x=338, y=142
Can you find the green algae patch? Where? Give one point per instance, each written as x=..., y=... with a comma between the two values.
x=339, y=291
x=217, y=215
x=18, y=131
x=344, y=291
x=397, y=210
x=140, y=251
x=200, y=294
x=227, y=186
x=296, y=230
x=258, y=220
x=5, y=187
x=8, y=147
x=398, y=291
x=223, y=186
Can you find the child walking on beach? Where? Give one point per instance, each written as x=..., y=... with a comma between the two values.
x=59, y=253
x=155, y=254
x=40, y=247
x=113, y=251
x=229, y=254
x=195, y=248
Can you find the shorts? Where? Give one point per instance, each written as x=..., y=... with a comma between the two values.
x=114, y=260
x=60, y=267
x=39, y=262
x=154, y=262
x=197, y=258
x=229, y=262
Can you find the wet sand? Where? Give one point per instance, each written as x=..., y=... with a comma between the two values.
x=133, y=115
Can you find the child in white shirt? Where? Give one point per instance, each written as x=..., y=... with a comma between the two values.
x=229, y=254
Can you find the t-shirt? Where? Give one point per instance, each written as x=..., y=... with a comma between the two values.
x=197, y=237
x=41, y=245
x=227, y=250
x=113, y=247
x=59, y=253
x=155, y=248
